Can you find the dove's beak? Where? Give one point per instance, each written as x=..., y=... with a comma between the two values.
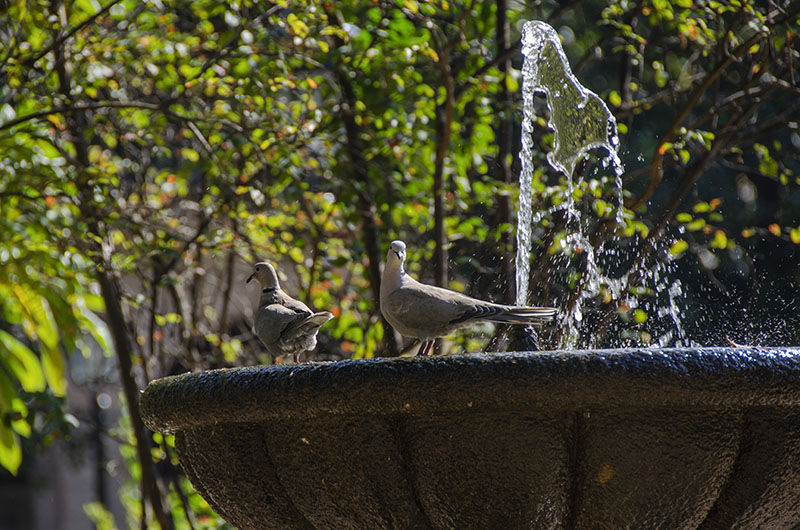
x=250, y=278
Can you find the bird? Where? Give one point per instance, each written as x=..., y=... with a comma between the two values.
x=286, y=326
x=427, y=312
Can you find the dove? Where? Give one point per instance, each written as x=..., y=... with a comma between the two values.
x=427, y=312
x=285, y=325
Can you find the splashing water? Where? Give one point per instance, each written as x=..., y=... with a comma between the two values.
x=524, y=220
x=581, y=122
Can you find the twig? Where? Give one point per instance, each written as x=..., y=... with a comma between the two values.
x=226, y=293
x=78, y=109
x=176, y=483
x=656, y=166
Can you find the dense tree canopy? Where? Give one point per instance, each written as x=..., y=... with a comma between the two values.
x=148, y=150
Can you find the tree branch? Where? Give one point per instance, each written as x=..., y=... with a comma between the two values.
x=74, y=109
x=444, y=121
x=657, y=166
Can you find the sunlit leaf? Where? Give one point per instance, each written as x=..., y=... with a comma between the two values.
x=20, y=423
x=21, y=362
x=678, y=247
x=10, y=450
x=720, y=240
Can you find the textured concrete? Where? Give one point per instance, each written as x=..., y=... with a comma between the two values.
x=607, y=439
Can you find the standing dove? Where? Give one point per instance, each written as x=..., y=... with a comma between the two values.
x=427, y=312
x=285, y=325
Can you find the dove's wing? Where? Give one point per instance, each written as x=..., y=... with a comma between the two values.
x=419, y=310
x=272, y=320
x=295, y=305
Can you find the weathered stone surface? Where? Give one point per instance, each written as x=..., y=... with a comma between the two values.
x=673, y=438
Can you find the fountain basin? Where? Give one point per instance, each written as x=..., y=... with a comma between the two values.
x=636, y=438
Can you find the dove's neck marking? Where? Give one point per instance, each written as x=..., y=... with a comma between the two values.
x=267, y=290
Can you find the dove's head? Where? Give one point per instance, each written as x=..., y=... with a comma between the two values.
x=396, y=254
x=264, y=274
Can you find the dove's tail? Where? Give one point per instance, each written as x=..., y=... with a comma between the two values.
x=308, y=326
x=320, y=318
x=507, y=314
x=523, y=315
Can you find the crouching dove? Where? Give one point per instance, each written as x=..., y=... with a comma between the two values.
x=427, y=312
x=285, y=325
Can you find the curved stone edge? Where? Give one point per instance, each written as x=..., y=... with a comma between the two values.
x=705, y=378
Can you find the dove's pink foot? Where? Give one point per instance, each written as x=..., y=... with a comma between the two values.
x=425, y=347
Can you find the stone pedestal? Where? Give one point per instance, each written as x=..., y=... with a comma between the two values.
x=608, y=439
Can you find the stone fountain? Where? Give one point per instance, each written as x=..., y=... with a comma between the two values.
x=689, y=438
x=669, y=438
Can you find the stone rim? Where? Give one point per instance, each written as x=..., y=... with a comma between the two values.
x=681, y=378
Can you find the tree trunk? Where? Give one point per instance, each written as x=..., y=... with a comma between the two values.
x=366, y=206
x=503, y=173
x=444, y=120
x=111, y=296
x=77, y=125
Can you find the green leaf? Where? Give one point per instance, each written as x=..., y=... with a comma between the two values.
x=511, y=83
x=21, y=362
x=88, y=6
x=374, y=15
x=794, y=235
x=678, y=247
x=720, y=240
x=10, y=450
x=600, y=207
x=7, y=393
x=298, y=27
x=48, y=149
x=99, y=515
x=696, y=225
x=20, y=423
x=94, y=324
x=46, y=327
x=53, y=365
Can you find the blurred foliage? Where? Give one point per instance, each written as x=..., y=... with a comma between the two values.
x=166, y=144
